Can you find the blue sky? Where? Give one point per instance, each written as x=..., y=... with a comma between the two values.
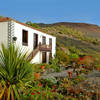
x=51, y=11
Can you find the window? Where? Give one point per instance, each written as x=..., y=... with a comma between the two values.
x=35, y=40
x=50, y=41
x=25, y=37
x=43, y=40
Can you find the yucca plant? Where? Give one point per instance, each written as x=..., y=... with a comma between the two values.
x=15, y=71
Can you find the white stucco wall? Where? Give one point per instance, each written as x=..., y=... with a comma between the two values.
x=38, y=58
x=3, y=33
x=18, y=33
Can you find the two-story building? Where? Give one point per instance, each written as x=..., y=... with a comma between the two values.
x=40, y=46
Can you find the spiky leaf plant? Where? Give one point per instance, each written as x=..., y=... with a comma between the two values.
x=15, y=71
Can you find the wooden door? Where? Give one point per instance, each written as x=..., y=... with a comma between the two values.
x=44, y=57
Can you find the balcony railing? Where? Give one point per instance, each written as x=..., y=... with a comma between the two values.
x=44, y=47
x=40, y=48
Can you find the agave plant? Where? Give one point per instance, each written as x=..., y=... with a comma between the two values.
x=15, y=71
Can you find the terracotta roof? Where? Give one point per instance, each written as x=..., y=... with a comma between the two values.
x=4, y=19
x=10, y=19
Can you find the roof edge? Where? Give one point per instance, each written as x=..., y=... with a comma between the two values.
x=5, y=19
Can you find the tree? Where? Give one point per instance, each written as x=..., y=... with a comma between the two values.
x=62, y=57
x=15, y=71
x=35, y=25
x=1, y=16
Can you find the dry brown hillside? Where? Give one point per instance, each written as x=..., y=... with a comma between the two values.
x=84, y=37
x=87, y=29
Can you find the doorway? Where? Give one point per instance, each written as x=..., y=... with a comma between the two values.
x=44, y=57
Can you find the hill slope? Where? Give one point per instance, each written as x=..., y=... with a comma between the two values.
x=87, y=29
x=85, y=37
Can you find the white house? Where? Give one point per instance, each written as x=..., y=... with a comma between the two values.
x=40, y=46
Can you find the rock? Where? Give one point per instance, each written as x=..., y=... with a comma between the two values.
x=63, y=73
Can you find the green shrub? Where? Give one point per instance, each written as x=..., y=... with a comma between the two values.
x=74, y=57
x=62, y=57
x=97, y=66
x=54, y=63
x=74, y=50
x=36, y=68
x=15, y=72
x=39, y=91
x=35, y=25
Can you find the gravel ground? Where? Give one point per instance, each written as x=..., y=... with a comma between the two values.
x=64, y=73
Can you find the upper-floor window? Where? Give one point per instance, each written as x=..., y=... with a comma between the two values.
x=25, y=37
x=50, y=41
x=35, y=40
x=43, y=40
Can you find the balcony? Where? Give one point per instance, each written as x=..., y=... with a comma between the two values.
x=40, y=47
x=45, y=47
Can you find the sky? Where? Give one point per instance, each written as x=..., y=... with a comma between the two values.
x=52, y=11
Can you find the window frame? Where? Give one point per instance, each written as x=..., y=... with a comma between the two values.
x=23, y=41
x=50, y=41
x=43, y=40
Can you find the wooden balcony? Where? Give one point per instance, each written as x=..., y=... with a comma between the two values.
x=45, y=47
x=40, y=47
